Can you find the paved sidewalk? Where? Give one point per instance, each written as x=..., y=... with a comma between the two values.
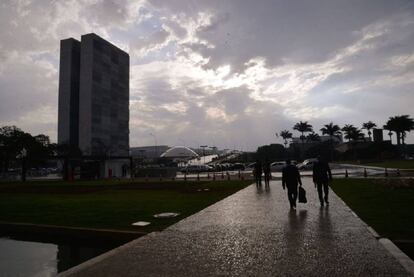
x=253, y=233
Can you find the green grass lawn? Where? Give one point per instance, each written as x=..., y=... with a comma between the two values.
x=108, y=204
x=401, y=164
x=385, y=205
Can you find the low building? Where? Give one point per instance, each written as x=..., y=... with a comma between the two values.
x=378, y=135
x=179, y=152
x=335, y=139
x=148, y=152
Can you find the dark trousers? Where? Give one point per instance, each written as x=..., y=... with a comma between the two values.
x=258, y=179
x=325, y=187
x=292, y=192
x=267, y=176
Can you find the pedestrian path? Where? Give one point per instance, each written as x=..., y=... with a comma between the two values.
x=254, y=233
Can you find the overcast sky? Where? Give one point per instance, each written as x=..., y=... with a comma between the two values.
x=228, y=73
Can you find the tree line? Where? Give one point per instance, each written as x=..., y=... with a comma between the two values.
x=17, y=146
x=396, y=125
x=400, y=125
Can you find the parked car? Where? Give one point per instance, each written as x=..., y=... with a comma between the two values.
x=277, y=166
x=196, y=168
x=218, y=167
x=238, y=166
x=250, y=166
x=307, y=164
x=225, y=166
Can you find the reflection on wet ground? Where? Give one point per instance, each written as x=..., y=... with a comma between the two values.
x=28, y=255
x=339, y=171
x=254, y=233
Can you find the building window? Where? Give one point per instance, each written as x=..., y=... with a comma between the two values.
x=106, y=67
x=96, y=77
x=114, y=57
x=98, y=45
x=96, y=109
x=114, y=113
x=96, y=120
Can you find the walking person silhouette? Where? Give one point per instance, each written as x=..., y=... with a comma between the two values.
x=321, y=177
x=267, y=173
x=291, y=180
x=258, y=173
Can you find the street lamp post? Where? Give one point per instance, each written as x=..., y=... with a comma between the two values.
x=108, y=156
x=2, y=169
x=204, y=154
x=142, y=151
x=23, y=155
x=156, y=144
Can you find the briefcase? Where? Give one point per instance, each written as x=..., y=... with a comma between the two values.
x=302, y=195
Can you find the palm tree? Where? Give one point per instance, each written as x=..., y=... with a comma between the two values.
x=400, y=124
x=303, y=127
x=407, y=125
x=356, y=134
x=313, y=137
x=390, y=135
x=285, y=134
x=368, y=126
x=348, y=129
x=332, y=131
x=352, y=132
x=391, y=127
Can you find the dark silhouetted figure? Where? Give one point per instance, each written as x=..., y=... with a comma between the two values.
x=258, y=173
x=291, y=179
x=321, y=177
x=267, y=173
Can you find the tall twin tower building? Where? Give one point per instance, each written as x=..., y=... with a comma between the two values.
x=94, y=97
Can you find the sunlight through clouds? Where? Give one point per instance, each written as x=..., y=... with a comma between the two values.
x=219, y=69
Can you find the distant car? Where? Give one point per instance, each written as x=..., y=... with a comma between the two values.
x=307, y=164
x=277, y=166
x=250, y=166
x=223, y=167
x=218, y=167
x=238, y=166
x=196, y=168
x=206, y=168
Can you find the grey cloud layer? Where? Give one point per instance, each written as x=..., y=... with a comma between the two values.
x=293, y=31
x=229, y=73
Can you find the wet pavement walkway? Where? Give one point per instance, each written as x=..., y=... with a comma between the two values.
x=254, y=233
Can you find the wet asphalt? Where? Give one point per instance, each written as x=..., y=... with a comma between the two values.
x=254, y=233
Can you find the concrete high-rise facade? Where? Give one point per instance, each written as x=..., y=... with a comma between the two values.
x=94, y=97
x=68, y=116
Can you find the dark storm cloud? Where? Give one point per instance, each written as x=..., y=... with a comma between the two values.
x=294, y=31
x=381, y=75
x=229, y=73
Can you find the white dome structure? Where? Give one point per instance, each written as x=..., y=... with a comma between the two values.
x=181, y=152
